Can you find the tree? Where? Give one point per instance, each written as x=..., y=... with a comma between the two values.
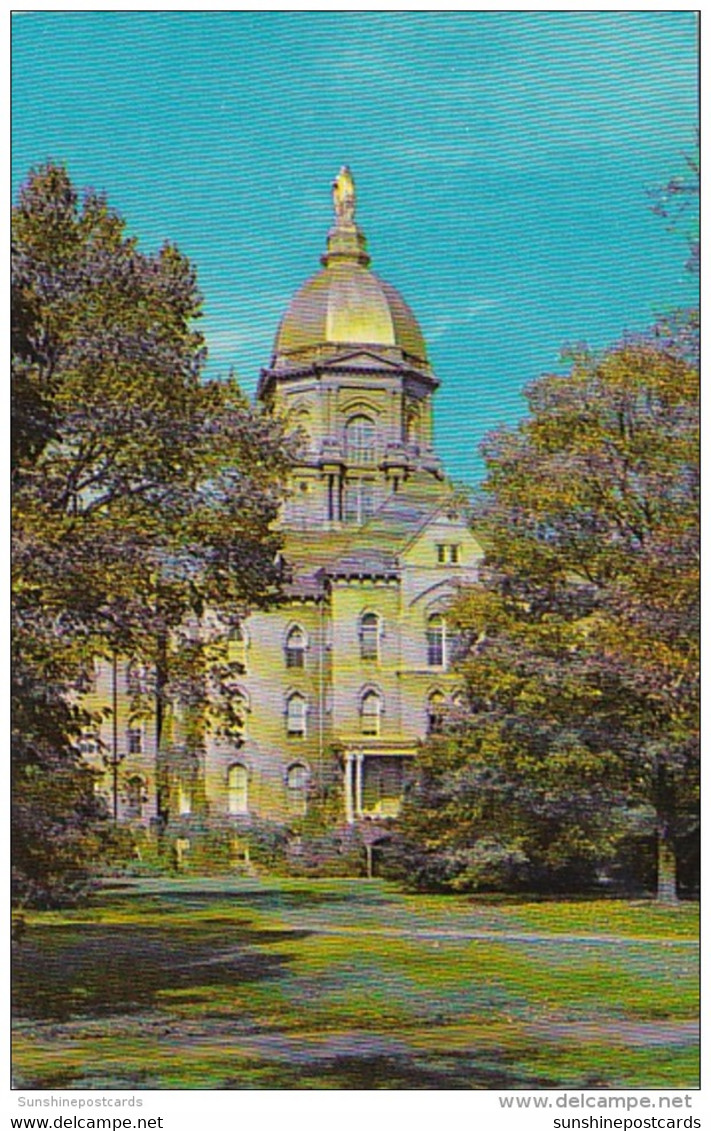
x=523, y=790
x=142, y=495
x=583, y=664
x=677, y=202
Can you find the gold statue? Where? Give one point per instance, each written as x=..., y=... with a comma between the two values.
x=344, y=201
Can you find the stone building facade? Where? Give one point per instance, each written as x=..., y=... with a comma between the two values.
x=346, y=677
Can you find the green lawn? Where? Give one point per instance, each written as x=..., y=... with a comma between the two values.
x=275, y=983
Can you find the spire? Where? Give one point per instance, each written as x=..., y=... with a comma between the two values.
x=345, y=239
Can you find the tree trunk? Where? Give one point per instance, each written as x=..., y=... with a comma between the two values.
x=162, y=782
x=666, y=867
x=161, y=681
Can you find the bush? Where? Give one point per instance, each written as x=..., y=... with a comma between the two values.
x=326, y=854
x=267, y=843
x=59, y=832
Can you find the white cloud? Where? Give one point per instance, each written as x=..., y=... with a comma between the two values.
x=438, y=324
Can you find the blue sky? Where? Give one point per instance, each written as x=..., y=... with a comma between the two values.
x=502, y=161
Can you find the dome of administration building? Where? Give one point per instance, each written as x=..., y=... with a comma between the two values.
x=346, y=303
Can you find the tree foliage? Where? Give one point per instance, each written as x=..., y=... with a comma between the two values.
x=142, y=495
x=677, y=202
x=583, y=665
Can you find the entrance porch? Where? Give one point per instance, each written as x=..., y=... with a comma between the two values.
x=374, y=780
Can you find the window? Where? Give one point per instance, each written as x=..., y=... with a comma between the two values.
x=436, y=705
x=135, y=740
x=237, y=789
x=370, y=636
x=296, y=715
x=136, y=679
x=360, y=440
x=449, y=553
x=297, y=782
x=436, y=641
x=359, y=502
x=295, y=647
x=370, y=711
x=301, y=421
x=88, y=744
x=135, y=796
x=185, y=799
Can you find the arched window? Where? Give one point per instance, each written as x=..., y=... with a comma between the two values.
x=297, y=784
x=436, y=641
x=135, y=796
x=185, y=798
x=136, y=678
x=370, y=636
x=436, y=705
x=238, y=789
x=295, y=647
x=370, y=711
x=360, y=440
x=301, y=422
x=296, y=715
x=134, y=738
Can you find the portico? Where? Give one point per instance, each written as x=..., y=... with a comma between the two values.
x=374, y=779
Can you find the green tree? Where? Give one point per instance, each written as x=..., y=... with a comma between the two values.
x=582, y=669
x=142, y=495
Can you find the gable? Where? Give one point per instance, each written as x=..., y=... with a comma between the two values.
x=445, y=528
x=363, y=359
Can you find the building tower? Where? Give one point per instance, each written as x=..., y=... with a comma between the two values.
x=350, y=369
x=340, y=683
x=354, y=669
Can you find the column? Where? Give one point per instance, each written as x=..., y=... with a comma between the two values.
x=396, y=417
x=359, y=784
x=349, y=788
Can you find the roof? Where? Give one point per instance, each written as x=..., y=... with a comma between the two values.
x=372, y=549
x=347, y=304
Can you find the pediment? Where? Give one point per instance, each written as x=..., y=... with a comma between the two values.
x=363, y=359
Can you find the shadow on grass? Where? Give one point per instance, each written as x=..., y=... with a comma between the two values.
x=370, y=1072
x=184, y=899
x=455, y=1071
x=95, y=970
x=407, y=1073
x=265, y=899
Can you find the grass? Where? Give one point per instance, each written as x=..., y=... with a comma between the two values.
x=352, y=984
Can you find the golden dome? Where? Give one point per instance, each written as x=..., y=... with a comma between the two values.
x=346, y=303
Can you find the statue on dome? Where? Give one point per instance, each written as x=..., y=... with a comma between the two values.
x=344, y=201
